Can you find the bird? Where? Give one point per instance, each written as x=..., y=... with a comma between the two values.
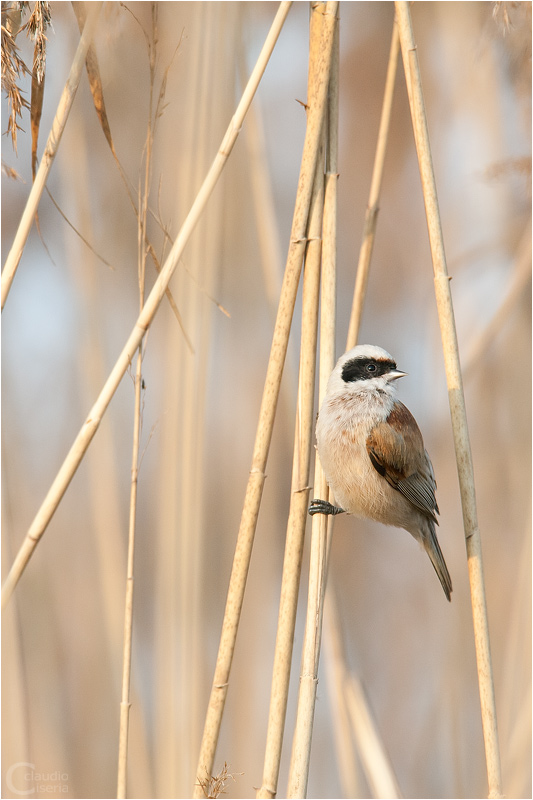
x=372, y=452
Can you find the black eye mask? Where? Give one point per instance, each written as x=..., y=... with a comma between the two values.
x=364, y=368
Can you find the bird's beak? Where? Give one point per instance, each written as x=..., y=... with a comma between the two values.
x=395, y=374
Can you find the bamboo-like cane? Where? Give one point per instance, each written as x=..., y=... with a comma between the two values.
x=296, y=524
x=52, y=144
x=301, y=747
x=456, y=399
x=371, y=217
x=90, y=426
x=256, y=479
x=377, y=769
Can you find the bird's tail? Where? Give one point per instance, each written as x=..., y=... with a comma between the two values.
x=433, y=550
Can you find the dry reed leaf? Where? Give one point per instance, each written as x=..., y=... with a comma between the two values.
x=36, y=26
x=77, y=232
x=9, y=172
x=95, y=82
x=37, y=96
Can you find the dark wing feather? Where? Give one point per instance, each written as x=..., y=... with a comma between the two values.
x=396, y=450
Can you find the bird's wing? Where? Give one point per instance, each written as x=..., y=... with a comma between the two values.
x=396, y=450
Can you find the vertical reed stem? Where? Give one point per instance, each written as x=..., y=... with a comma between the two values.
x=296, y=524
x=142, y=250
x=267, y=412
x=301, y=749
x=456, y=399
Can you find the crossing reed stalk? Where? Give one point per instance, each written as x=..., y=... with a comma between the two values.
x=92, y=422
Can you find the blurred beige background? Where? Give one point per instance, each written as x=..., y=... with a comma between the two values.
x=69, y=314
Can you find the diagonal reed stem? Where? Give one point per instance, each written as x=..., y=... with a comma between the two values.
x=90, y=426
x=456, y=399
x=316, y=111
x=52, y=144
x=371, y=217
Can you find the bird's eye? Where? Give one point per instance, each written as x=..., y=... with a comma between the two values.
x=371, y=367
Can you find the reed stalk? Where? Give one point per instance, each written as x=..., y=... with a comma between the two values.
x=316, y=111
x=125, y=704
x=296, y=524
x=144, y=320
x=352, y=710
x=142, y=251
x=456, y=400
x=301, y=746
x=336, y=677
x=50, y=151
x=371, y=216
x=352, y=713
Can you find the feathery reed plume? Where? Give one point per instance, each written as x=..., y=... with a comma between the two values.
x=13, y=67
x=52, y=144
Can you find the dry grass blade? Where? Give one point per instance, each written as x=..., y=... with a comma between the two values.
x=76, y=231
x=50, y=151
x=95, y=82
x=456, y=399
x=37, y=24
x=37, y=97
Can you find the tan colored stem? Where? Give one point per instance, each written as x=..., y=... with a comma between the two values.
x=301, y=746
x=52, y=144
x=256, y=479
x=90, y=426
x=296, y=524
x=125, y=704
x=456, y=399
x=371, y=217
x=354, y=718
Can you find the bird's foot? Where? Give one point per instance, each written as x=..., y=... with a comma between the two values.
x=323, y=507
